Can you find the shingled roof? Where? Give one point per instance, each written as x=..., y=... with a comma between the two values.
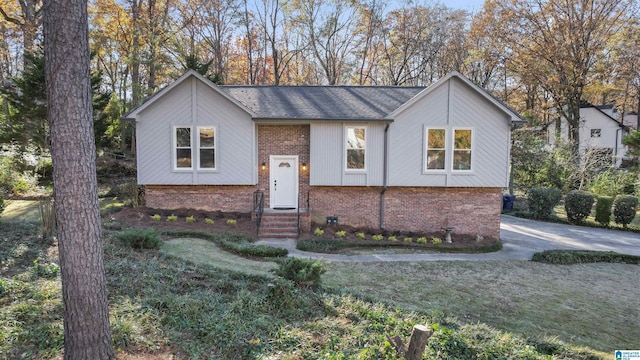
x=322, y=102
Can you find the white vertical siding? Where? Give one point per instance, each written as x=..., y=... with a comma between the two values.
x=452, y=105
x=328, y=158
x=195, y=104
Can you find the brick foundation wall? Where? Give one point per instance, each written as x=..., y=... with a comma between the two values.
x=474, y=211
x=226, y=198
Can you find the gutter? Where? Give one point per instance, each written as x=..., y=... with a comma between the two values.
x=384, y=174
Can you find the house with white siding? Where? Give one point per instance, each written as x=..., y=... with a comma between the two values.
x=600, y=133
x=394, y=158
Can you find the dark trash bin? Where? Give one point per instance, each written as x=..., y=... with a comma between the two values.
x=507, y=202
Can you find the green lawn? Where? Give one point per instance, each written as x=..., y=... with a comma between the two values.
x=27, y=210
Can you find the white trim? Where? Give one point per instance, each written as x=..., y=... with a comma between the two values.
x=453, y=149
x=215, y=147
x=174, y=147
x=344, y=147
x=425, y=147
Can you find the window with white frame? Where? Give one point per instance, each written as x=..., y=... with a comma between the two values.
x=207, y=148
x=183, y=154
x=436, y=149
x=462, y=148
x=355, y=147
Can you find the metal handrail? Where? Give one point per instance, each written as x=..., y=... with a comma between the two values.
x=258, y=207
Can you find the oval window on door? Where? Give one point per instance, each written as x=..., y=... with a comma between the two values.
x=284, y=164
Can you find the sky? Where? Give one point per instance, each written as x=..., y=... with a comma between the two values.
x=469, y=5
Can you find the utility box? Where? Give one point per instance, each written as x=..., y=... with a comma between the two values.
x=332, y=220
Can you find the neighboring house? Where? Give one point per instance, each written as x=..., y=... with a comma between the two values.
x=630, y=120
x=396, y=158
x=600, y=133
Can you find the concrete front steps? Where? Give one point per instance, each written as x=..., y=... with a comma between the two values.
x=279, y=225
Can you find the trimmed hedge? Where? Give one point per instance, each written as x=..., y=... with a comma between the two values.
x=542, y=201
x=568, y=257
x=140, y=238
x=578, y=205
x=624, y=209
x=603, y=210
x=234, y=243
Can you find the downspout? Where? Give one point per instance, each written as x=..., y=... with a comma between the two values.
x=384, y=174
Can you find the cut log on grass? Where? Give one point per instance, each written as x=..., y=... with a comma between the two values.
x=418, y=342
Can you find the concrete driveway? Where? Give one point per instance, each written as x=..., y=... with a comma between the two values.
x=529, y=236
x=521, y=238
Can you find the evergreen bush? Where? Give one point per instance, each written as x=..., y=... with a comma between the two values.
x=603, y=210
x=542, y=201
x=302, y=271
x=578, y=205
x=624, y=209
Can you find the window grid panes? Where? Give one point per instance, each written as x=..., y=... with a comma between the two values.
x=356, y=148
x=183, y=147
x=462, y=139
x=207, y=159
x=436, y=149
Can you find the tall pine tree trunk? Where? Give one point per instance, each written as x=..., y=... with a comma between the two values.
x=86, y=315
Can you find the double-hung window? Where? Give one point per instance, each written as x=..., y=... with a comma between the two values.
x=462, y=148
x=183, y=154
x=436, y=149
x=355, y=147
x=207, y=148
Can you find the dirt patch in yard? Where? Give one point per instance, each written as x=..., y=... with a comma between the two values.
x=142, y=217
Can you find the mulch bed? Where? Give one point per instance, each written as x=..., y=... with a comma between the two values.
x=140, y=217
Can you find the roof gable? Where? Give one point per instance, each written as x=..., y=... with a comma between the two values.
x=515, y=117
x=133, y=113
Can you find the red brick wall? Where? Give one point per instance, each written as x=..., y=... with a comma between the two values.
x=283, y=140
x=200, y=197
x=474, y=211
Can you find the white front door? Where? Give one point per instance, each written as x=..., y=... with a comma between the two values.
x=283, y=178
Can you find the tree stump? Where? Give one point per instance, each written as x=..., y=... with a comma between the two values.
x=418, y=342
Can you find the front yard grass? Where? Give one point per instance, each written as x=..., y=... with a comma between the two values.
x=27, y=210
x=592, y=305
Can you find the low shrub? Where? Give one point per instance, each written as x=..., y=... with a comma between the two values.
x=47, y=271
x=624, y=209
x=360, y=235
x=252, y=250
x=603, y=210
x=408, y=239
x=140, y=238
x=421, y=240
x=304, y=272
x=172, y=218
x=190, y=219
x=392, y=238
x=232, y=222
x=341, y=233
x=542, y=201
x=318, y=232
x=568, y=257
x=436, y=240
x=377, y=237
x=156, y=217
x=578, y=205
x=208, y=221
